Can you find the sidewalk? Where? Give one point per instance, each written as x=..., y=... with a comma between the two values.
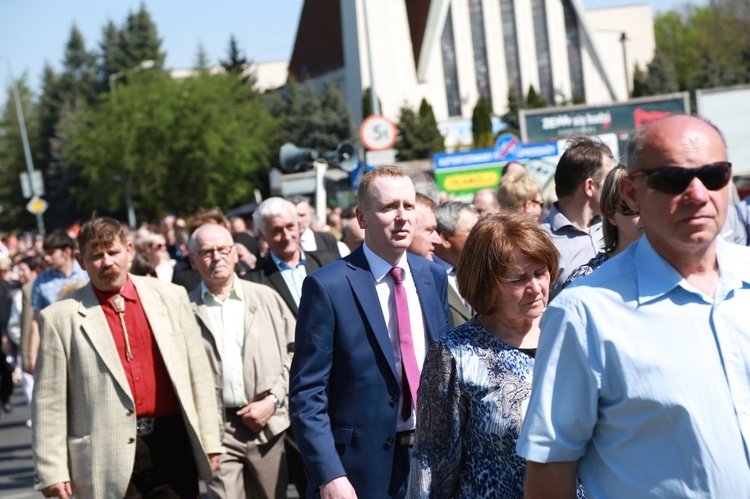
x=16, y=465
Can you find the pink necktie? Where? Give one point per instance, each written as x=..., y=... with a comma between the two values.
x=410, y=377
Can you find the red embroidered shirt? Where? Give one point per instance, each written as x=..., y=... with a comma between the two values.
x=146, y=373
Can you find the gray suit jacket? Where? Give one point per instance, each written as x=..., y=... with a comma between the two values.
x=266, y=352
x=460, y=313
x=83, y=410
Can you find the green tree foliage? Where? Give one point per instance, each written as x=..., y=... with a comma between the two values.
x=706, y=46
x=312, y=118
x=202, y=61
x=367, y=103
x=418, y=134
x=173, y=145
x=139, y=41
x=236, y=62
x=659, y=78
x=13, y=214
x=481, y=125
x=515, y=104
x=534, y=100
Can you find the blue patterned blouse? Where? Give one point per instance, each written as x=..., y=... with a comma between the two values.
x=472, y=398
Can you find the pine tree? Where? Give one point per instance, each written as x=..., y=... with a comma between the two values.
x=367, y=103
x=236, y=62
x=418, y=134
x=481, y=125
x=202, y=61
x=534, y=100
x=139, y=41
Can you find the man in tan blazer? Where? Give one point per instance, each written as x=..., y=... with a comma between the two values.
x=123, y=403
x=248, y=332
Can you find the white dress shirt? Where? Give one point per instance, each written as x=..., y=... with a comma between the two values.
x=228, y=323
x=384, y=287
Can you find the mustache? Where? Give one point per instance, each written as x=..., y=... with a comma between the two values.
x=109, y=272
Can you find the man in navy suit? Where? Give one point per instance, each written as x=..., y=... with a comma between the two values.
x=352, y=377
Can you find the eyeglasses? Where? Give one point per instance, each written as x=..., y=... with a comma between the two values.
x=675, y=179
x=625, y=210
x=208, y=253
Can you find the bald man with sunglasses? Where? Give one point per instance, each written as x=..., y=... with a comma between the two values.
x=654, y=346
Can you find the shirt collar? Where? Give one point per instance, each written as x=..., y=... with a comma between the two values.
x=557, y=220
x=657, y=277
x=282, y=265
x=380, y=268
x=235, y=293
x=127, y=291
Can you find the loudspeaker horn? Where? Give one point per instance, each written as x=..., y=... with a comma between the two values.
x=344, y=157
x=293, y=158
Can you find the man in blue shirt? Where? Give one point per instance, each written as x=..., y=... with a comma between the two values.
x=642, y=378
x=62, y=269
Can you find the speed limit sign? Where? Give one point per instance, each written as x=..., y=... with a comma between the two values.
x=377, y=133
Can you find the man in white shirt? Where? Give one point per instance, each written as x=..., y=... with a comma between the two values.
x=248, y=334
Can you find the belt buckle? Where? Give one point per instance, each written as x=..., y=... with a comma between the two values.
x=144, y=426
x=406, y=439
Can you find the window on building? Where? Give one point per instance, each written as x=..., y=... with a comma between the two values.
x=478, y=42
x=544, y=64
x=510, y=40
x=574, y=51
x=450, y=70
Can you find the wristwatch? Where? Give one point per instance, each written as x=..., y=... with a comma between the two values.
x=275, y=400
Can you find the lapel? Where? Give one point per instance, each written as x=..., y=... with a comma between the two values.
x=94, y=326
x=363, y=285
x=201, y=312
x=251, y=333
x=271, y=271
x=428, y=296
x=155, y=309
x=456, y=303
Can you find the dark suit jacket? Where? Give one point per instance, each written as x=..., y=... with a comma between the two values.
x=266, y=272
x=326, y=242
x=344, y=389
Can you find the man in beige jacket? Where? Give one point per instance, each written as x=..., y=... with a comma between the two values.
x=123, y=403
x=248, y=332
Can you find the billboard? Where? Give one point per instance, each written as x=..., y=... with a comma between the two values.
x=541, y=125
x=729, y=109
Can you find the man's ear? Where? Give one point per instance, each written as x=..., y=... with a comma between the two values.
x=445, y=242
x=360, y=218
x=79, y=257
x=588, y=187
x=628, y=192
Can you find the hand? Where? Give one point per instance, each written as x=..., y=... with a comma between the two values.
x=338, y=488
x=214, y=460
x=63, y=490
x=256, y=414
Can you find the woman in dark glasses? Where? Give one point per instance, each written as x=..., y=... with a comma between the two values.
x=621, y=226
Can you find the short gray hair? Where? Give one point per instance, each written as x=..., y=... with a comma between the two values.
x=448, y=213
x=272, y=207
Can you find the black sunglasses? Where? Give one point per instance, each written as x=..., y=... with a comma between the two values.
x=625, y=210
x=675, y=179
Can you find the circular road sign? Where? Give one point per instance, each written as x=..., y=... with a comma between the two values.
x=377, y=133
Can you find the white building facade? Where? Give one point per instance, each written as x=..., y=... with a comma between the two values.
x=452, y=52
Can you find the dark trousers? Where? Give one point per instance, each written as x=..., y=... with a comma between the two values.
x=6, y=379
x=164, y=464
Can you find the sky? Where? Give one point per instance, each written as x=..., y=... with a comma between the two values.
x=35, y=31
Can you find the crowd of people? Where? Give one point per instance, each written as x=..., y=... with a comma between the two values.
x=407, y=346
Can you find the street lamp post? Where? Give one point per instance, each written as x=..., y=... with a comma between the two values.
x=24, y=139
x=147, y=64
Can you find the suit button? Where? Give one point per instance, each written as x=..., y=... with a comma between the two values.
x=389, y=441
x=131, y=440
x=394, y=401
